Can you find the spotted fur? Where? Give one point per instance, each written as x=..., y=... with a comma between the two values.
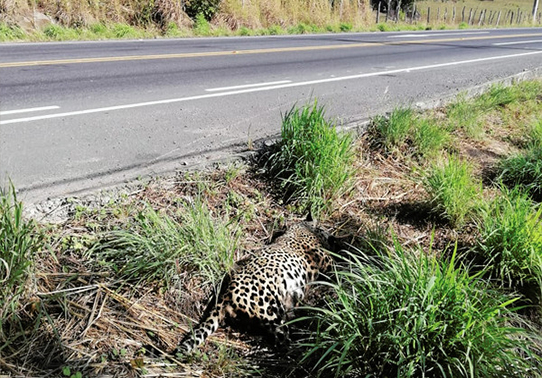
x=265, y=285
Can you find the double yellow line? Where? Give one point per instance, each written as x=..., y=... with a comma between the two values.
x=245, y=52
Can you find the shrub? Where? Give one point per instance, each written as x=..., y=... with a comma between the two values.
x=202, y=26
x=313, y=161
x=524, y=170
x=511, y=238
x=452, y=191
x=412, y=314
x=156, y=245
x=20, y=239
x=206, y=8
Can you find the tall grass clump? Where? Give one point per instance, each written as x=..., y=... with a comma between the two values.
x=497, y=96
x=524, y=170
x=313, y=160
x=464, y=115
x=453, y=193
x=412, y=314
x=20, y=239
x=511, y=238
x=403, y=130
x=157, y=245
x=429, y=138
x=393, y=131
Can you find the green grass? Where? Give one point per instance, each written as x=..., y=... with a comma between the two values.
x=464, y=115
x=511, y=238
x=429, y=138
x=394, y=130
x=453, y=193
x=20, y=239
x=412, y=314
x=313, y=160
x=524, y=170
x=404, y=131
x=157, y=246
x=11, y=33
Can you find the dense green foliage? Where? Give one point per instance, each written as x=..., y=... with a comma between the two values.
x=412, y=314
x=312, y=159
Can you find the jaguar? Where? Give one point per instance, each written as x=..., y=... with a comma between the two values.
x=265, y=285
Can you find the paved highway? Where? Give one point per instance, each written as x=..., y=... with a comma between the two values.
x=84, y=115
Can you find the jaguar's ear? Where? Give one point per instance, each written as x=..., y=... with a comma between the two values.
x=311, y=220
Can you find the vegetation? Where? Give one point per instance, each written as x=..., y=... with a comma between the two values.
x=20, y=240
x=47, y=20
x=412, y=314
x=156, y=247
x=452, y=191
x=511, y=239
x=442, y=277
x=312, y=159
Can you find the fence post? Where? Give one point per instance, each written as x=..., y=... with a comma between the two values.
x=470, y=17
x=445, y=14
x=518, y=19
x=378, y=12
x=463, y=14
x=511, y=17
x=453, y=14
x=498, y=19
x=428, y=14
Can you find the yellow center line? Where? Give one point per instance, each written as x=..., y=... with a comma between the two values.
x=245, y=52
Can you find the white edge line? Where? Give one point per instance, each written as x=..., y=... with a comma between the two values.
x=261, y=89
x=515, y=42
x=248, y=86
x=28, y=110
x=431, y=34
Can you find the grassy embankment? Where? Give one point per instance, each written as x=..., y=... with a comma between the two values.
x=78, y=20
x=444, y=276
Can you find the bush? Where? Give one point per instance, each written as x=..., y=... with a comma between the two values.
x=452, y=191
x=157, y=246
x=412, y=314
x=511, y=238
x=313, y=161
x=202, y=26
x=206, y=8
x=19, y=241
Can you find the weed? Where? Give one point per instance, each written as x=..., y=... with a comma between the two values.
x=524, y=169
x=156, y=246
x=463, y=115
x=312, y=159
x=394, y=130
x=453, y=192
x=19, y=241
x=202, y=26
x=429, y=138
x=345, y=27
x=123, y=31
x=11, y=33
x=412, y=314
x=511, y=238
x=496, y=96
x=276, y=30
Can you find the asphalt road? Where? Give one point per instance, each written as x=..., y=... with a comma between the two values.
x=85, y=115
